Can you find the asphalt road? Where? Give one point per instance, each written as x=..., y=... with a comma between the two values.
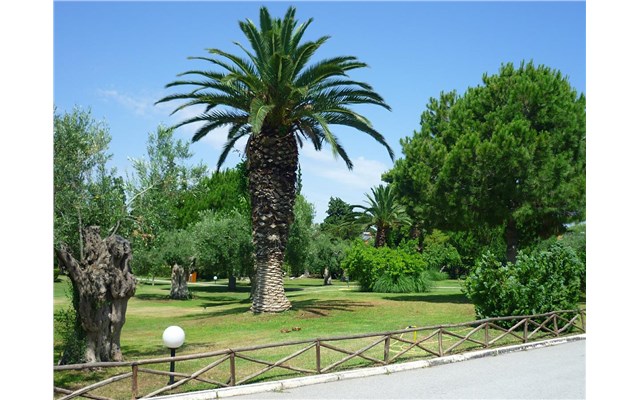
x=554, y=372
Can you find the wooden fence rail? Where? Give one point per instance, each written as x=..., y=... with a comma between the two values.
x=458, y=337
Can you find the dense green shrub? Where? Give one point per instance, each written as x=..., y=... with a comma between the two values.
x=368, y=265
x=576, y=238
x=539, y=282
x=67, y=327
x=443, y=257
x=73, y=341
x=393, y=284
x=435, y=275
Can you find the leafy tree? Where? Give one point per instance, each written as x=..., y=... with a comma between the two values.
x=159, y=182
x=297, y=251
x=86, y=192
x=335, y=223
x=383, y=213
x=275, y=98
x=223, y=247
x=326, y=251
x=541, y=281
x=178, y=252
x=222, y=191
x=509, y=153
x=472, y=243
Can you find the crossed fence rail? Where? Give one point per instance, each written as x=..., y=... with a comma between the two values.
x=232, y=367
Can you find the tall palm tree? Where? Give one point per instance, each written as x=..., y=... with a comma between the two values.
x=383, y=212
x=273, y=96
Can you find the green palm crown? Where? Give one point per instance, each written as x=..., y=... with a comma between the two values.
x=273, y=90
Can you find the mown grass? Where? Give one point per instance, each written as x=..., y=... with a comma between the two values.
x=218, y=319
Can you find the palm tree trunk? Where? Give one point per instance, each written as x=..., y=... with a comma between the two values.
x=272, y=166
x=381, y=236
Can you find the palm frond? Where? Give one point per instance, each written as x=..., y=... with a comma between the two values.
x=258, y=112
x=273, y=86
x=236, y=133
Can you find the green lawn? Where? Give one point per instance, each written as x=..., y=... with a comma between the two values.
x=217, y=319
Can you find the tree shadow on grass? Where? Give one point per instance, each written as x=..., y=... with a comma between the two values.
x=322, y=308
x=212, y=311
x=432, y=298
x=134, y=353
x=152, y=296
x=219, y=289
x=309, y=308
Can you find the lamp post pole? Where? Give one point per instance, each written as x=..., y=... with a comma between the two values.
x=173, y=337
x=172, y=367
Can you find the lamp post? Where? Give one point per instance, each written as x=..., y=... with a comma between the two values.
x=173, y=337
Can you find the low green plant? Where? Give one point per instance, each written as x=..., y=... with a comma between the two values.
x=394, y=284
x=68, y=330
x=387, y=270
x=540, y=281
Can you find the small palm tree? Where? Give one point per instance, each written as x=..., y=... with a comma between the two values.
x=273, y=96
x=383, y=213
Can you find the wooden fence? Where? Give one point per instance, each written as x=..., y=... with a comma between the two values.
x=316, y=356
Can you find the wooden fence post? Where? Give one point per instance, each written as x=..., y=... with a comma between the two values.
x=318, y=368
x=486, y=334
x=440, y=352
x=555, y=325
x=526, y=330
x=134, y=382
x=232, y=367
x=387, y=342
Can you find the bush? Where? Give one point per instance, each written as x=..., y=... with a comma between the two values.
x=434, y=275
x=394, y=284
x=539, y=282
x=68, y=328
x=73, y=341
x=443, y=257
x=575, y=238
x=387, y=270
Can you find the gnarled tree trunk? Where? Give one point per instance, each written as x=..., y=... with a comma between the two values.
x=179, y=279
x=104, y=283
x=327, y=276
x=273, y=162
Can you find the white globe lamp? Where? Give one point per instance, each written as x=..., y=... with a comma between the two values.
x=173, y=337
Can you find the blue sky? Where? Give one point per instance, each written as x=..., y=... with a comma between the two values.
x=115, y=58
